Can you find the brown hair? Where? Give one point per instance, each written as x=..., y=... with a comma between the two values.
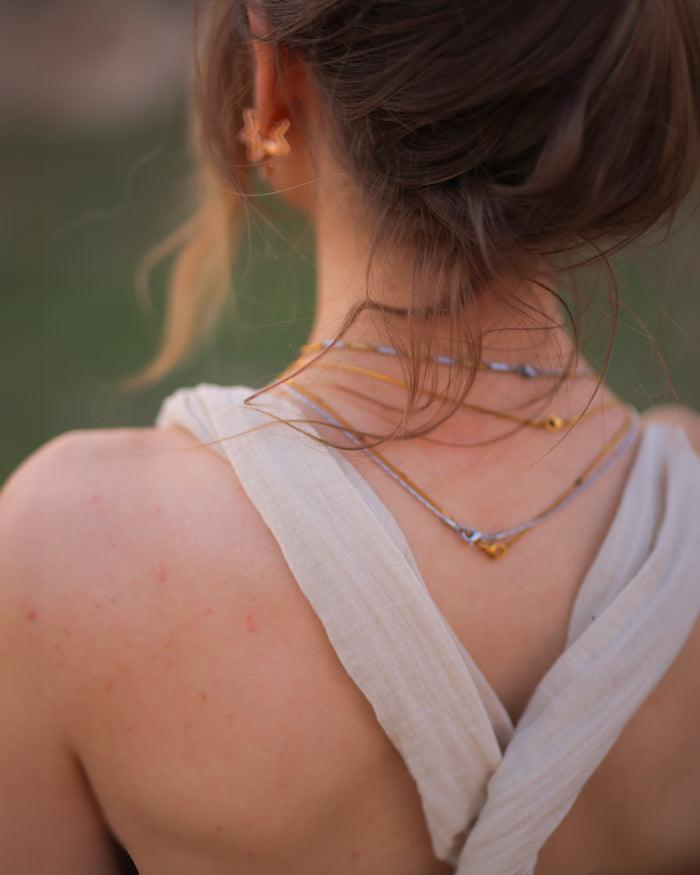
x=486, y=137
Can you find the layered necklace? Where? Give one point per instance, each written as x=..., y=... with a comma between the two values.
x=492, y=544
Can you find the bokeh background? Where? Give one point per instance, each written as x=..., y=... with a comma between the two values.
x=95, y=170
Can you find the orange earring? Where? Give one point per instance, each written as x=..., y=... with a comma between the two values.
x=258, y=146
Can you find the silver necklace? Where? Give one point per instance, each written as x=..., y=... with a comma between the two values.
x=522, y=369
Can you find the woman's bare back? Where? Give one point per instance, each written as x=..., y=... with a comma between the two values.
x=168, y=655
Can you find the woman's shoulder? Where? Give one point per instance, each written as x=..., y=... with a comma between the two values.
x=109, y=536
x=106, y=492
x=115, y=503
x=142, y=535
x=142, y=588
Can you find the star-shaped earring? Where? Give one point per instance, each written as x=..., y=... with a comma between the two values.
x=258, y=147
x=250, y=135
x=277, y=144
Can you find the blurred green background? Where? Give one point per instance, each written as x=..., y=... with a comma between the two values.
x=86, y=191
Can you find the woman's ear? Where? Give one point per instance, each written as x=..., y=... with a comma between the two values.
x=266, y=91
x=283, y=90
x=281, y=85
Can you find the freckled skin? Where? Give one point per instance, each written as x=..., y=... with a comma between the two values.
x=250, y=624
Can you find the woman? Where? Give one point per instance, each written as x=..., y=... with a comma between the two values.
x=427, y=602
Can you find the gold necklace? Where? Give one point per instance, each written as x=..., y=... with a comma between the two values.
x=550, y=423
x=495, y=544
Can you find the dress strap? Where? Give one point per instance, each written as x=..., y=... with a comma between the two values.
x=378, y=615
x=634, y=612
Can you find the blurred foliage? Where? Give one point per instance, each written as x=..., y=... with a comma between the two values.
x=78, y=215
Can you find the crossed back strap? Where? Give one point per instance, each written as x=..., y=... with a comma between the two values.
x=491, y=793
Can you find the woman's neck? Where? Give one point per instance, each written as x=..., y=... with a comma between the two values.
x=531, y=332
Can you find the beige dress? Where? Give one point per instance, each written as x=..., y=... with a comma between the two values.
x=491, y=793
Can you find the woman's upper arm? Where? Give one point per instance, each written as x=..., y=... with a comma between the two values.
x=49, y=821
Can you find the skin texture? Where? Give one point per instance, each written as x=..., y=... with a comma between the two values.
x=164, y=679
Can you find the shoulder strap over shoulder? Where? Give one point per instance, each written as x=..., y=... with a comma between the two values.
x=387, y=631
